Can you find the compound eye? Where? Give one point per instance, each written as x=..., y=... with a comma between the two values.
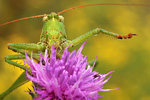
x=45, y=18
x=61, y=18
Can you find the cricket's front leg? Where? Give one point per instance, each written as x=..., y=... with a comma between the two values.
x=9, y=59
x=21, y=80
x=26, y=46
x=98, y=31
x=20, y=47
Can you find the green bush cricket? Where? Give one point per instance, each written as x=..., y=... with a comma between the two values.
x=53, y=32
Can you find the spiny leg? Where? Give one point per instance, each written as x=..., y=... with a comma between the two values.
x=26, y=46
x=34, y=55
x=15, y=57
x=9, y=59
x=95, y=32
x=21, y=80
x=18, y=47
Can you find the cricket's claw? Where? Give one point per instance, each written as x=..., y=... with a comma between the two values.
x=125, y=36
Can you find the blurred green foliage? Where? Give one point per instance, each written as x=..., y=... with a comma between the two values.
x=129, y=58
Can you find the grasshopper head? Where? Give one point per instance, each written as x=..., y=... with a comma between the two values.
x=53, y=16
x=53, y=29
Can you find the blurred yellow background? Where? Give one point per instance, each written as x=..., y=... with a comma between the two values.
x=129, y=58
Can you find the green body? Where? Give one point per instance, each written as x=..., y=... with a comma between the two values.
x=53, y=33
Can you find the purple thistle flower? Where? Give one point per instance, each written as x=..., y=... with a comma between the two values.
x=67, y=78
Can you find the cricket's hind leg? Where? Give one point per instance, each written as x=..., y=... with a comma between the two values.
x=96, y=31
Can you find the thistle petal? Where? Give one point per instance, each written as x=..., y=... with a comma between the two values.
x=66, y=78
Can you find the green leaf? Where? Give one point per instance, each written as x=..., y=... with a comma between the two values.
x=19, y=82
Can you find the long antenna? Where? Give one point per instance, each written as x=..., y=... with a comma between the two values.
x=22, y=19
x=140, y=5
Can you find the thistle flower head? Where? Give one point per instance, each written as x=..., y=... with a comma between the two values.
x=67, y=78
